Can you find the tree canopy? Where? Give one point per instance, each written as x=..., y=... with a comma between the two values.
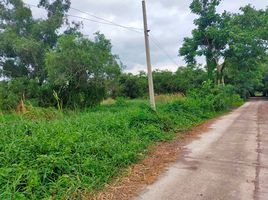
x=24, y=40
x=52, y=53
x=49, y=62
x=226, y=39
x=79, y=68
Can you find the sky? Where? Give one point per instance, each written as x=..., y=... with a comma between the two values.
x=169, y=22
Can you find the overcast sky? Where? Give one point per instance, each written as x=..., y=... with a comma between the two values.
x=169, y=21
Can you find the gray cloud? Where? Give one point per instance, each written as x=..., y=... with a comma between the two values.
x=169, y=20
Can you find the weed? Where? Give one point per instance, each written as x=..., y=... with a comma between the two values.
x=45, y=155
x=167, y=98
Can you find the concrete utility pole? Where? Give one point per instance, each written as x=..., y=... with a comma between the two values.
x=148, y=57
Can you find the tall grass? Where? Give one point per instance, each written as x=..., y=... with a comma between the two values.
x=167, y=98
x=63, y=157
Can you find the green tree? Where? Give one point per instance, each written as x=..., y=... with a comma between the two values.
x=164, y=82
x=265, y=82
x=22, y=88
x=188, y=78
x=184, y=79
x=227, y=40
x=79, y=68
x=24, y=40
x=247, y=50
x=133, y=86
x=209, y=39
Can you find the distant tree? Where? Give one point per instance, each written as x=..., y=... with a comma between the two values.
x=133, y=86
x=184, y=79
x=164, y=82
x=188, y=78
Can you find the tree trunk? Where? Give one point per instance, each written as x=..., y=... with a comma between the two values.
x=219, y=74
x=211, y=63
x=222, y=80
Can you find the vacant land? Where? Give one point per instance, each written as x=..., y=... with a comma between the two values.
x=50, y=154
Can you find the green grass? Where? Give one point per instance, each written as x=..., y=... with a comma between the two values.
x=168, y=98
x=61, y=158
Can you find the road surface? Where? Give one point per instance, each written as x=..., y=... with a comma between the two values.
x=229, y=162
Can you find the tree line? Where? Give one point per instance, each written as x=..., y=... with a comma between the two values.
x=49, y=62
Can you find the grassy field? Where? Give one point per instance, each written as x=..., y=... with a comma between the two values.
x=47, y=154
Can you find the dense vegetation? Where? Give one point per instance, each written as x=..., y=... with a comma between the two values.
x=65, y=142
x=46, y=155
x=234, y=45
x=49, y=67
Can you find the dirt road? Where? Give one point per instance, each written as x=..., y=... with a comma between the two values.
x=229, y=162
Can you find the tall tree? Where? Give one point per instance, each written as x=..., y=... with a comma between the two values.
x=208, y=39
x=226, y=39
x=24, y=40
x=79, y=68
x=248, y=49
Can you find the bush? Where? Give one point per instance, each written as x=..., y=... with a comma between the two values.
x=132, y=86
x=145, y=118
x=11, y=92
x=167, y=98
x=80, y=69
x=216, y=97
x=120, y=101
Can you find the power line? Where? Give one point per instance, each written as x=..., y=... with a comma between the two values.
x=106, y=20
x=92, y=20
x=100, y=22
x=87, y=19
x=111, y=23
x=157, y=44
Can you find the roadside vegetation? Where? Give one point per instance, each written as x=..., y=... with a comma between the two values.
x=71, y=119
x=52, y=68
x=65, y=156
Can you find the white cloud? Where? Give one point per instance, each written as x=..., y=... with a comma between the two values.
x=169, y=20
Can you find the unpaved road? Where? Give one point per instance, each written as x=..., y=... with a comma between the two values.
x=229, y=162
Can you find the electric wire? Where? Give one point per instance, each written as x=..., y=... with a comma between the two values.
x=157, y=44
x=111, y=23
x=106, y=20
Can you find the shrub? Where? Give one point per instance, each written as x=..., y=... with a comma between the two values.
x=216, y=97
x=11, y=92
x=167, y=98
x=120, y=101
x=47, y=156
